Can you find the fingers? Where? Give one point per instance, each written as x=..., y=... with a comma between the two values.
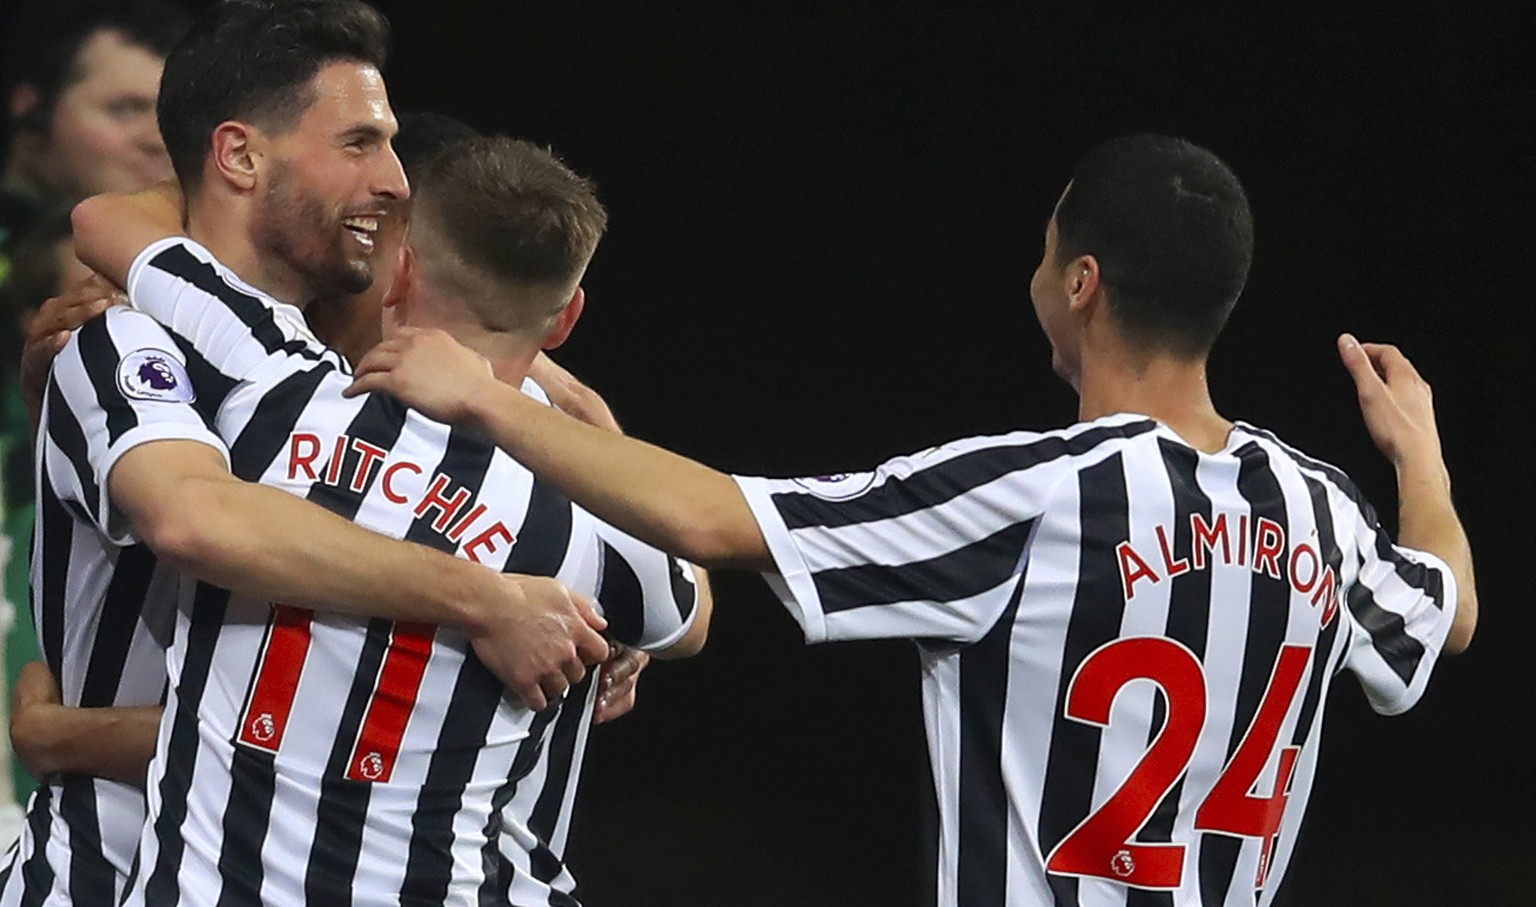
x=533, y=696
x=589, y=613
x=591, y=648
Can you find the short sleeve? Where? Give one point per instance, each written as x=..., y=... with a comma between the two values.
x=1399, y=610
x=120, y=382
x=649, y=598
x=235, y=330
x=927, y=546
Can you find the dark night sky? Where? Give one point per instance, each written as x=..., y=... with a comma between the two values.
x=824, y=218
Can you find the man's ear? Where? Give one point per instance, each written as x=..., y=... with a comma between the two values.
x=394, y=310
x=565, y=322
x=235, y=158
x=1084, y=281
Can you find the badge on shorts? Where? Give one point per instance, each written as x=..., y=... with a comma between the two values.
x=151, y=374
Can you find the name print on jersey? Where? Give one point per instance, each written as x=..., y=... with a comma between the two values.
x=452, y=522
x=1261, y=547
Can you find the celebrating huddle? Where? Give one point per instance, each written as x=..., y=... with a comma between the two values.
x=366, y=579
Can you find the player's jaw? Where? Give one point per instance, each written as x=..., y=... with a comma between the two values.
x=327, y=244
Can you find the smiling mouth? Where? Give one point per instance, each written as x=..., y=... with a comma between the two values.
x=362, y=228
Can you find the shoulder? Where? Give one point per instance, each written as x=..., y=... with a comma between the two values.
x=1332, y=477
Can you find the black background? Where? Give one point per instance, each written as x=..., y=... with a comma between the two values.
x=824, y=219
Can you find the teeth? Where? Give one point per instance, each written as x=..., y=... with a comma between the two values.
x=366, y=224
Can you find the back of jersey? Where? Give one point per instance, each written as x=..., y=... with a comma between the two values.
x=1127, y=645
x=1182, y=615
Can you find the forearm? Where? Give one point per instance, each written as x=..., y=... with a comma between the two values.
x=113, y=743
x=668, y=501
x=1427, y=521
x=266, y=543
x=110, y=230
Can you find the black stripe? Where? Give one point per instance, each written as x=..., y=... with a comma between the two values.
x=56, y=536
x=1269, y=610
x=208, y=609
x=37, y=873
x=101, y=357
x=623, y=601
x=545, y=535
x=246, y=816
x=962, y=573
x=1410, y=571
x=1328, y=637
x=982, y=869
x=211, y=384
x=262, y=439
x=257, y=315
x=685, y=592
x=120, y=613
x=378, y=422
x=65, y=431
x=1097, y=610
x=561, y=774
x=1189, y=613
x=944, y=481
x=343, y=808
x=500, y=872
x=92, y=879
x=477, y=694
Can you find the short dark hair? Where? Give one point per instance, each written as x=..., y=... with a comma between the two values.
x=424, y=133
x=44, y=43
x=1170, y=227
x=248, y=59
x=513, y=215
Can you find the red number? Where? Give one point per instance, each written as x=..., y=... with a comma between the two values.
x=266, y=714
x=1231, y=807
x=1101, y=846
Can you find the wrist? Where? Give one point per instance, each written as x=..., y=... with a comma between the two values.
x=485, y=405
x=469, y=599
x=1425, y=471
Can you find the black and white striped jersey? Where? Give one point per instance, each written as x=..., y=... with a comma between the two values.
x=1126, y=646
x=309, y=757
x=103, y=607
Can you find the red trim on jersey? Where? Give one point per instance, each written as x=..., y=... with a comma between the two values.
x=277, y=678
x=378, y=742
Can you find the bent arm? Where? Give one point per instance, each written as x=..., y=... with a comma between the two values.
x=1427, y=521
x=184, y=503
x=111, y=229
x=531, y=632
x=51, y=738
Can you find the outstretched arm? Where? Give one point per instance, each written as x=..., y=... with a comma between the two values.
x=1399, y=413
x=666, y=500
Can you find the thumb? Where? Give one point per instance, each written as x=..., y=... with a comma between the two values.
x=1358, y=363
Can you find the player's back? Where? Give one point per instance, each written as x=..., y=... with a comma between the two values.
x=1151, y=699
x=310, y=757
x=1126, y=643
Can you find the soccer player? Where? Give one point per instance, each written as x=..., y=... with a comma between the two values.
x=1129, y=626
x=126, y=459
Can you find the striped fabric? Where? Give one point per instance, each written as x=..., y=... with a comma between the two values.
x=1126, y=646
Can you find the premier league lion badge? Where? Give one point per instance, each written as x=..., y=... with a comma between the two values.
x=151, y=374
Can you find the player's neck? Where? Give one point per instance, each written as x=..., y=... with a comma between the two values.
x=1173, y=391
x=226, y=234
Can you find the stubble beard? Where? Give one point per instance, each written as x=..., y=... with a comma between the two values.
x=297, y=232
